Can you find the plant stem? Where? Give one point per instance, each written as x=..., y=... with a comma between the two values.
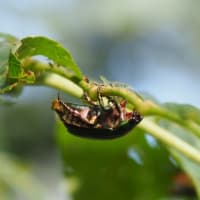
x=39, y=67
x=170, y=139
x=60, y=83
x=145, y=107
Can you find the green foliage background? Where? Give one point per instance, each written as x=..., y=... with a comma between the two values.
x=38, y=158
x=123, y=168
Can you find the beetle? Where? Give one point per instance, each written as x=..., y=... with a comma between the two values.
x=96, y=120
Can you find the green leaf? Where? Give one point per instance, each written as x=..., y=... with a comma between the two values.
x=16, y=57
x=7, y=38
x=185, y=111
x=15, y=70
x=189, y=166
x=106, y=169
x=7, y=42
x=8, y=88
x=39, y=45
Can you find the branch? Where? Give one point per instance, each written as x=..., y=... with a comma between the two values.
x=60, y=83
x=170, y=139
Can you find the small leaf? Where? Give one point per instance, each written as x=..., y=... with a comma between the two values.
x=7, y=38
x=8, y=88
x=7, y=42
x=15, y=70
x=28, y=77
x=104, y=80
x=32, y=46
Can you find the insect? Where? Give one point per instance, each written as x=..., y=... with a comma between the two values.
x=97, y=120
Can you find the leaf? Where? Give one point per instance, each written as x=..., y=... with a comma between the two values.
x=16, y=75
x=185, y=111
x=15, y=70
x=8, y=88
x=104, y=80
x=7, y=42
x=189, y=166
x=39, y=45
x=109, y=169
x=7, y=38
x=12, y=70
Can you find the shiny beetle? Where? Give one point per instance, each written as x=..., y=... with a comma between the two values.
x=97, y=120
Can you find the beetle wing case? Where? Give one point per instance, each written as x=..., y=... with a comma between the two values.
x=101, y=133
x=94, y=121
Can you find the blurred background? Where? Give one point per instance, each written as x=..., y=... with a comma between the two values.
x=153, y=46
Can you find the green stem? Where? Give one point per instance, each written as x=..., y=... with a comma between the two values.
x=60, y=83
x=170, y=139
x=145, y=107
x=39, y=67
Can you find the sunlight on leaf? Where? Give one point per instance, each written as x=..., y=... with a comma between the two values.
x=32, y=46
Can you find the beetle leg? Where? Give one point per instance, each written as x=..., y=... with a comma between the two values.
x=88, y=117
x=88, y=99
x=100, y=100
x=123, y=109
